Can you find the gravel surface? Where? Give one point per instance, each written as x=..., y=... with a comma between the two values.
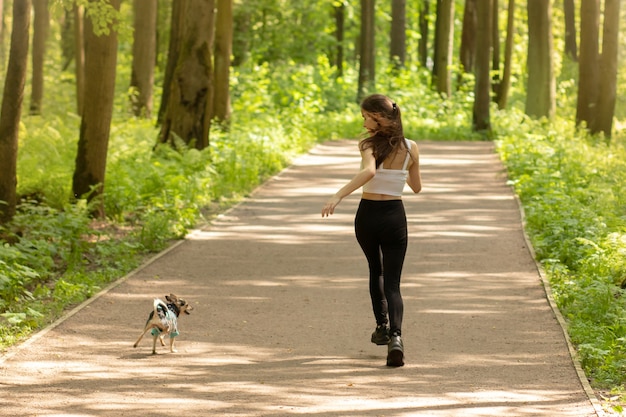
x=282, y=317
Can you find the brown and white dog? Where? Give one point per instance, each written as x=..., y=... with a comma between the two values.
x=164, y=320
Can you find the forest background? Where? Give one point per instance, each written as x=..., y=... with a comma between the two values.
x=188, y=105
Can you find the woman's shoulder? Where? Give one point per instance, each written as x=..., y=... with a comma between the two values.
x=412, y=145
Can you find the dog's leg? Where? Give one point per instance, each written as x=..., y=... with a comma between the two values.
x=140, y=337
x=161, y=335
x=172, y=349
x=154, y=340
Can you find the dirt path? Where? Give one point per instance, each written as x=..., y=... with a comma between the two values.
x=282, y=314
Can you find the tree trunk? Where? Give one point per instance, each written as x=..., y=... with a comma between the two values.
x=223, y=51
x=367, y=65
x=569, y=11
x=444, y=37
x=468, y=36
x=2, y=25
x=588, y=68
x=100, y=62
x=176, y=27
x=10, y=112
x=398, y=33
x=495, y=47
x=605, y=110
x=423, y=24
x=144, y=57
x=187, y=117
x=340, y=18
x=502, y=94
x=482, y=90
x=79, y=56
x=541, y=88
x=67, y=38
x=40, y=35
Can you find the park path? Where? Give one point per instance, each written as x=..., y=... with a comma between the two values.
x=282, y=316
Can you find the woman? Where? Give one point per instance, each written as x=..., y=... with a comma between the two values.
x=388, y=161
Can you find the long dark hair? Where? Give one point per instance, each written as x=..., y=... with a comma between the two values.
x=389, y=137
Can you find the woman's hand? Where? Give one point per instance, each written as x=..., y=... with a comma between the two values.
x=329, y=208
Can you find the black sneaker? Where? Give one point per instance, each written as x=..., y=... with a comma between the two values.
x=381, y=335
x=395, y=352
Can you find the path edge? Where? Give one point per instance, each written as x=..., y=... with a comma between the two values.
x=12, y=351
x=591, y=395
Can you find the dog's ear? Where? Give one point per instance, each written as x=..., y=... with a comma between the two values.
x=171, y=298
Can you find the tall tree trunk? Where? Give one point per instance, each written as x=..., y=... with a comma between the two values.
x=176, y=28
x=605, y=110
x=468, y=36
x=340, y=17
x=482, y=90
x=397, y=49
x=144, y=57
x=541, y=88
x=423, y=24
x=502, y=95
x=11, y=110
x=495, y=47
x=40, y=35
x=588, y=69
x=187, y=117
x=223, y=51
x=2, y=25
x=100, y=62
x=444, y=37
x=569, y=12
x=79, y=56
x=367, y=65
x=67, y=38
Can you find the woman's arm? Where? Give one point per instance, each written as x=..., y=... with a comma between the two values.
x=367, y=172
x=414, y=180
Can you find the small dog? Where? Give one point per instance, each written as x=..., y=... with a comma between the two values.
x=164, y=320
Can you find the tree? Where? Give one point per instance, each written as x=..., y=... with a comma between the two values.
x=423, y=27
x=79, y=55
x=482, y=89
x=367, y=62
x=589, y=57
x=605, y=109
x=10, y=113
x=502, y=92
x=187, y=117
x=223, y=51
x=571, y=49
x=40, y=35
x=541, y=85
x=444, y=37
x=495, y=46
x=144, y=56
x=100, y=63
x=2, y=35
x=468, y=36
x=176, y=28
x=397, y=47
x=340, y=17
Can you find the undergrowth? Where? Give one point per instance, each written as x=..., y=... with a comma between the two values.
x=572, y=188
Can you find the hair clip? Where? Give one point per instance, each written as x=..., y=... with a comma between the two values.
x=393, y=105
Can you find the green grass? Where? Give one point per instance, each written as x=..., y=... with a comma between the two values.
x=572, y=189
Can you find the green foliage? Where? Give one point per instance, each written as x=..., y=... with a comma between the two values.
x=571, y=186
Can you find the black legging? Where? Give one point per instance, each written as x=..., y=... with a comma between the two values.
x=381, y=231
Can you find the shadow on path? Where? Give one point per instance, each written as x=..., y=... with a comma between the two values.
x=282, y=314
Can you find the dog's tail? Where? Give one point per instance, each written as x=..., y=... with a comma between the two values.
x=156, y=304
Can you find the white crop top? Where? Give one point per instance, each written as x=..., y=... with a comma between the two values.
x=389, y=181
